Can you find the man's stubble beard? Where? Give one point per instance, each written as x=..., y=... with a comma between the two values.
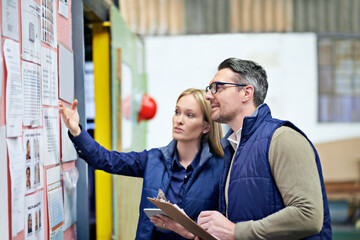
x=222, y=118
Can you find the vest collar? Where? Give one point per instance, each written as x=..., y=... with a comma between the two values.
x=252, y=122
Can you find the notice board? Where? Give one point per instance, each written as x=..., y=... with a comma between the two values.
x=36, y=160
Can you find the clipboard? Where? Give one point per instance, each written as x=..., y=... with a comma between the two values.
x=180, y=217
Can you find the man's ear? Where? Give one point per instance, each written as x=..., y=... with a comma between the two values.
x=206, y=128
x=248, y=93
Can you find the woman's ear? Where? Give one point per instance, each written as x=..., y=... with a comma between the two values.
x=206, y=128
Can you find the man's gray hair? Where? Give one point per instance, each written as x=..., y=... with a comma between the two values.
x=250, y=73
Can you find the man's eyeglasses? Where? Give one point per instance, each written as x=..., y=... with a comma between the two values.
x=213, y=87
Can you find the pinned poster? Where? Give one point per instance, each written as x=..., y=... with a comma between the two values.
x=14, y=99
x=34, y=216
x=17, y=176
x=48, y=22
x=49, y=77
x=68, y=151
x=32, y=94
x=30, y=20
x=51, y=136
x=64, y=8
x=55, y=201
x=33, y=143
x=4, y=217
x=10, y=19
x=66, y=74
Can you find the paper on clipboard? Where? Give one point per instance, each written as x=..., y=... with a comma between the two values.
x=180, y=217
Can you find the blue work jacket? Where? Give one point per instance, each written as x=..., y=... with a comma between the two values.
x=252, y=191
x=155, y=167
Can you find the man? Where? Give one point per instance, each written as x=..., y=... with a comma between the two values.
x=272, y=187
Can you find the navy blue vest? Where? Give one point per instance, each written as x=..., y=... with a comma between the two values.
x=252, y=192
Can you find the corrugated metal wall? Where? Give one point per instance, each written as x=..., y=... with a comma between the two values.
x=173, y=17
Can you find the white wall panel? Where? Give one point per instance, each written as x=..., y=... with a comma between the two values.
x=177, y=63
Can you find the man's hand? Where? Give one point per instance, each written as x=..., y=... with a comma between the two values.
x=217, y=224
x=71, y=117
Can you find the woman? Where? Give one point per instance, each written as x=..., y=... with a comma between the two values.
x=187, y=170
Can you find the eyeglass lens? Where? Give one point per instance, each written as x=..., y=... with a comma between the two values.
x=212, y=87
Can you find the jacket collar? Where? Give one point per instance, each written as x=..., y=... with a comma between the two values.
x=224, y=141
x=169, y=150
x=250, y=124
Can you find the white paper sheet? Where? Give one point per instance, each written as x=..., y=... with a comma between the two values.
x=51, y=136
x=33, y=148
x=14, y=99
x=10, y=19
x=66, y=74
x=30, y=20
x=64, y=8
x=32, y=94
x=48, y=22
x=50, y=94
x=55, y=200
x=4, y=217
x=18, y=180
x=34, y=216
x=68, y=151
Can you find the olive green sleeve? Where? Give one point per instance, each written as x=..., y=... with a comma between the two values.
x=293, y=165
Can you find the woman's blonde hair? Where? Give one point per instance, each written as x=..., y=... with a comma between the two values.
x=215, y=134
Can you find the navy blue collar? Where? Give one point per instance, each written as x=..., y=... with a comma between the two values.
x=249, y=123
x=193, y=164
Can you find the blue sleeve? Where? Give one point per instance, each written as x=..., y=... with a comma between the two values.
x=128, y=164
